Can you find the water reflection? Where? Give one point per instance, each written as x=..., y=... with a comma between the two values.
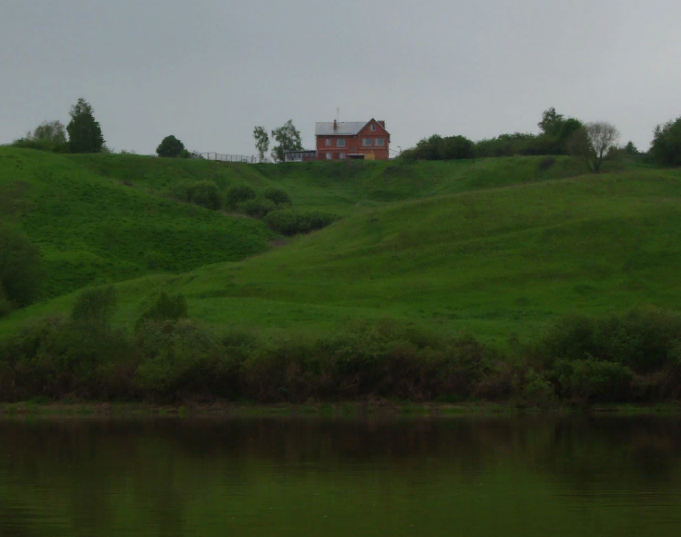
x=520, y=476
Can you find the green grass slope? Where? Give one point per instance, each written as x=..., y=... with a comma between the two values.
x=342, y=187
x=493, y=262
x=94, y=229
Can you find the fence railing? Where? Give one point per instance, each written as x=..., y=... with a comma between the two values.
x=250, y=159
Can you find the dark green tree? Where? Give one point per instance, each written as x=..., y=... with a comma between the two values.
x=262, y=141
x=20, y=267
x=287, y=138
x=666, y=146
x=630, y=148
x=551, y=122
x=170, y=147
x=85, y=133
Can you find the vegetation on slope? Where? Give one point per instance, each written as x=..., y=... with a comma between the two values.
x=475, y=250
x=93, y=229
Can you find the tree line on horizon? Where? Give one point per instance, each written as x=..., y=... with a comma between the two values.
x=593, y=142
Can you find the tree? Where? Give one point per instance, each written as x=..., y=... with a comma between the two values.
x=287, y=138
x=52, y=131
x=85, y=133
x=666, y=146
x=262, y=141
x=20, y=267
x=550, y=122
x=630, y=148
x=593, y=142
x=170, y=147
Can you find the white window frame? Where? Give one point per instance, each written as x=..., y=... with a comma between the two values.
x=328, y=142
x=340, y=142
x=373, y=126
x=341, y=155
x=329, y=156
x=379, y=142
x=364, y=142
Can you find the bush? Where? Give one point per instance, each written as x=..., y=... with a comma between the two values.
x=170, y=147
x=643, y=339
x=290, y=222
x=165, y=308
x=438, y=148
x=277, y=196
x=258, y=207
x=204, y=193
x=54, y=357
x=587, y=381
x=39, y=144
x=666, y=147
x=179, y=359
x=95, y=306
x=20, y=267
x=5, y=305
x=239, y=193
x=546, y=163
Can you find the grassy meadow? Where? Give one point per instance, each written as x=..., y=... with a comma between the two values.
x=497, y=249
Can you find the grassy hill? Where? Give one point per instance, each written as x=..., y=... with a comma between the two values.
x=93, y=229
x=494, y=247
x=342, y=187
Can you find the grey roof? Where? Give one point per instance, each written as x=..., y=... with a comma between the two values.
x=323, y=128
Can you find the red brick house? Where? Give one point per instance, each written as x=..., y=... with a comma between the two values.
x=352, y=139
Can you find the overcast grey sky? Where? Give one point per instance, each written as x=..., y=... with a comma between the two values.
x=208, y=71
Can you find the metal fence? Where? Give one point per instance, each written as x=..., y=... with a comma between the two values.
x=222, y=157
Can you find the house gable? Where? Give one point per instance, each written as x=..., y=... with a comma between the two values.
x=380, y=128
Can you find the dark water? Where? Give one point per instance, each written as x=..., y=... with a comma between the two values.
x=470, y=477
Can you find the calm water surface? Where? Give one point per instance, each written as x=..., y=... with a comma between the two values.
x=461, y=476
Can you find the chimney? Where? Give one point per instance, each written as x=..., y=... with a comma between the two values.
x=335, y=126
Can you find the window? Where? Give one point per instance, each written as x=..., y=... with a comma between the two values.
x=366, y=142
x=342, y=155
x=340, y=142
x=328, y=142
x=328, y=156
x=373, y=126
x=379, y=141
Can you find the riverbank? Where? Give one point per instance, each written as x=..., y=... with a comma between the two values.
x=328, y=410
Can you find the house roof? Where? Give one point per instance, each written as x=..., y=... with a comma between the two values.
x=325, y=128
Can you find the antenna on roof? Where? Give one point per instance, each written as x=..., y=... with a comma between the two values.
x=338, y=113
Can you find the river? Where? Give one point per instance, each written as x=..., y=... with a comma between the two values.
x=470, y=476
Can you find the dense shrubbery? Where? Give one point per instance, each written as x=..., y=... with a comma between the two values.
x=95, y=306
x=164, y=308
x=258, y=207
x=239, y=193
x=438, y=148
x=20, y=268
x=203, y=193
x=556, y=130
x=277, y=196
x=635, y=357
x=268, y=205
x=291, y=222
x=666, y=146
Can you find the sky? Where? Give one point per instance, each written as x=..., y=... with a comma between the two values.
x=208, y=71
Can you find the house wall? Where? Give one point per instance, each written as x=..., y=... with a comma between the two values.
x=353, y=144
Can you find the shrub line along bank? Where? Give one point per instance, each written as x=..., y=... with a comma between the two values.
x=635, y=357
